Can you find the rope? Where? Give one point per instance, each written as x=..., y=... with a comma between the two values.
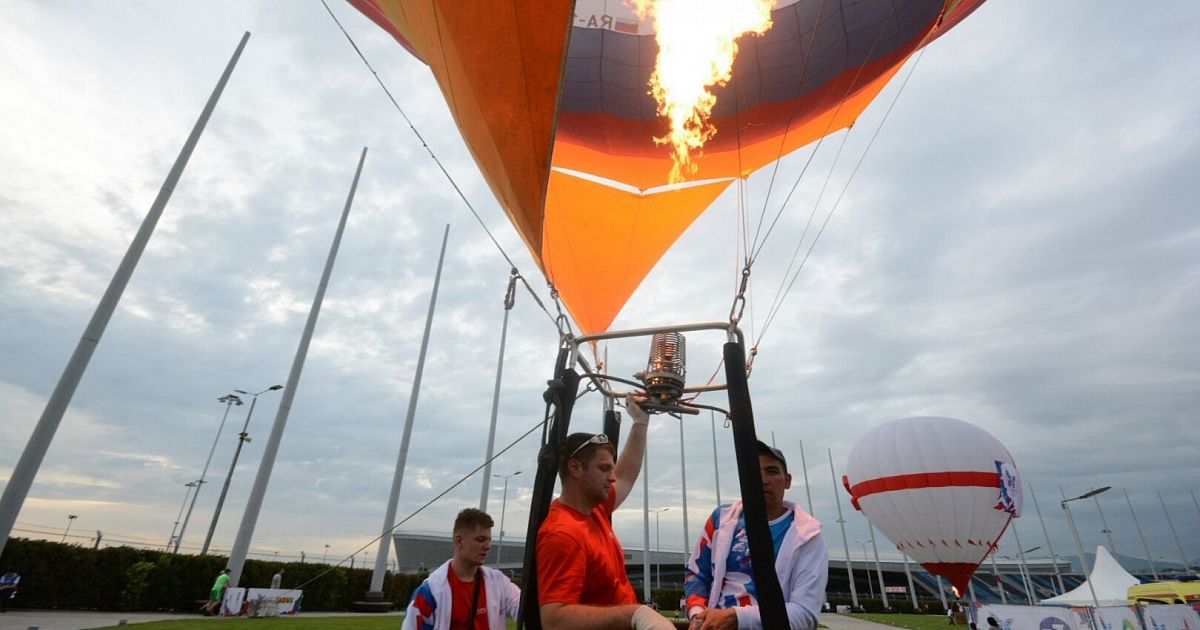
x=432, y=155
x=842, y=194
x=422, y=508
x=820, y=141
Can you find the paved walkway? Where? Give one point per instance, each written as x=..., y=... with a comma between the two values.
x=79, y=620
x=842, y=622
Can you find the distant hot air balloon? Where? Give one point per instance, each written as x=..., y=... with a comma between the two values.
x=941, y=489
x=553, y=101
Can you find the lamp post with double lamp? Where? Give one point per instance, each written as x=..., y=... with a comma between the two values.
x=867, y=563
x=1079, y=545
x=503, y=508
x=70, y=519
x=243, y=437
x=230, y=400
x=189, y=485
x=657, y=547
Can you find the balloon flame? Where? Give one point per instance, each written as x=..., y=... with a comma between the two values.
x=697, y=43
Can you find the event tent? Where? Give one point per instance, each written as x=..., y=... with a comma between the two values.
x=1108, y=578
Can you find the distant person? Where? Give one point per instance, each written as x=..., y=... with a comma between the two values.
x=580, y=563
x=217, y=594
x=8, y=588
x=950, y=614
x=720, y=585
x=277, y=579
x=462, y=594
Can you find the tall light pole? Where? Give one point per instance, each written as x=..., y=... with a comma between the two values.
x=325, y=558
x=1149, y=556
x=658, y=547
x=842, y=523
x=1182, y=555
x=683, y=481
x=1079, y=545
x=503, y=506
x=878, y=568
x=1112, y=545
x=867, y=562
x=1049, y=545
x=230, y=400
x=243, y=437
x=712, y=418
x=70, y=519
x=996, y=574
x=186, y=494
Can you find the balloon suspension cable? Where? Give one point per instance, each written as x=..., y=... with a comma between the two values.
x=434, y=157
x=837, y=202
x=758, y=245
x=542, y=424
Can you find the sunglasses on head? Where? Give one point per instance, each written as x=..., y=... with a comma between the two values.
x=597, y=439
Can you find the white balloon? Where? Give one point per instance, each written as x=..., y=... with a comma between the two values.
x=941, y=489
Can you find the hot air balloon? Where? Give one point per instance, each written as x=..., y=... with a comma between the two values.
x=552, y=99
x=941, y=489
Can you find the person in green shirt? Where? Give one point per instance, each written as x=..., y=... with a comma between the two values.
x=218, y=593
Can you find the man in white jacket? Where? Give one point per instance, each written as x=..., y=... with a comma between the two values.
x=720, y=587
x=462, y=594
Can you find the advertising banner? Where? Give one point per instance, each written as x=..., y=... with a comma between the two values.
x=231, y=606
x=1116, y=618
x=281, y=601
x=1030, y=618
x=1173, y=617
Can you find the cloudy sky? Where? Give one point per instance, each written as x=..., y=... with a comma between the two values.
x=1017, y=250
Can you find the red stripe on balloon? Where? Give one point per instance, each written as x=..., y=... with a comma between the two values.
x=917, y=481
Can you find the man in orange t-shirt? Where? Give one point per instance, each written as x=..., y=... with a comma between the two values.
x=580, y=563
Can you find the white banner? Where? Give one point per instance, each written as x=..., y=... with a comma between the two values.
x=287, y=600
x=1173, y=617
x=1030, y=618
x=231, y=605
x=1116, y=618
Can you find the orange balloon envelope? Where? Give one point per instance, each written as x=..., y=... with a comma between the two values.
x=552, y=98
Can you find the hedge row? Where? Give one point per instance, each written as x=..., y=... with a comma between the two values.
x=71, y=577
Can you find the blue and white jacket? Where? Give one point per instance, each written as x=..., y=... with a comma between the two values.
x=503, y=600
x=802, y=564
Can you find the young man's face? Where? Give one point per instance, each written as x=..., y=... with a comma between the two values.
x=595, y=477
x=775, y=482
x=472, y=547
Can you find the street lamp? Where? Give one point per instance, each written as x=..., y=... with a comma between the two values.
x=188, y=492
x=867, y=563
x=1112, y=544
x=325, y=558
x=503, y=507
x=70, y=519
x=229, y=400
x=243, y=437
x=657, y=546
x=1079, y=545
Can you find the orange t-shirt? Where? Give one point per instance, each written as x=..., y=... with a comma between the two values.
x=460, y=608
x=579, y=559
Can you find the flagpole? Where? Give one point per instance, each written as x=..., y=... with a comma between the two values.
x=241, y=544
x=509, y=298
x=389, y=518
x=27, y=466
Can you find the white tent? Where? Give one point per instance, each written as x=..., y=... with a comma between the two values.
x=1110, y=581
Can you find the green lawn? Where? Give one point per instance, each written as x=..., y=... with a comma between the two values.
x=915, y=622
x=390, y=622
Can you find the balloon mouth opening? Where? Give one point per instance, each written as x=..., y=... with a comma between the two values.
x=958, y=573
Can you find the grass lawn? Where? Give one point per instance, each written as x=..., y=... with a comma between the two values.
x=915, y=622
x=390, y=622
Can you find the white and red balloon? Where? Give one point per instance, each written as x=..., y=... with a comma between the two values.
x=941, y=489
